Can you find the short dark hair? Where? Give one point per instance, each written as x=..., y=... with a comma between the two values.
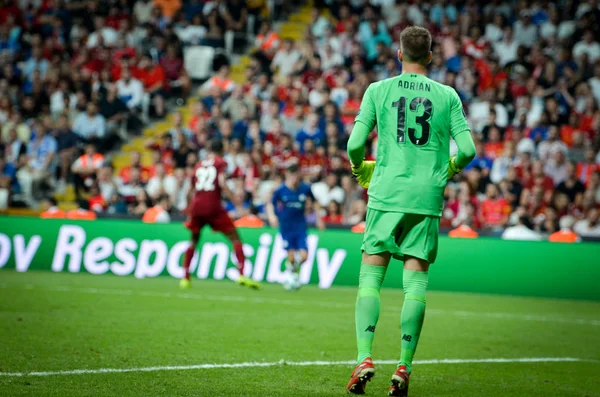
x=415, y=43
x=216, y=146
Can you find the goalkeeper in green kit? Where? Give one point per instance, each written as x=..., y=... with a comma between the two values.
x=415, y=117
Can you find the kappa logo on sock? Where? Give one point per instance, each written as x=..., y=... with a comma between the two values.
x=370, y=328
x=406, y=337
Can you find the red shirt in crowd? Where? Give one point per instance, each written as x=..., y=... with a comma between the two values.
x=310, y=77
x=333, y=219
x=193, y=123
x=152, y=76
x=172, y=67
x=125, y=174
x=97, y=203
x=309, y=161
x=250, y=176
x=352, y=106
x=494, y=211
x=585, y=171
x=494, y=150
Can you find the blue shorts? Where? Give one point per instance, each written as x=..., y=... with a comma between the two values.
x=294, y=241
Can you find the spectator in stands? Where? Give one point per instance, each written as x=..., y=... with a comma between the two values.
x=311, y=131
x=113, y=110
x=238, y=103
x=267, y=39
x=82, y=212
x=39, y=165
x=90, y=126
x=285, y=58
x=327, y=191
x=481, y=160
x=154, y=80
x=50, y=209
x=8, y=174
x=588, y=46
x=67, y=142
x=179, y=132
x=221, y=81
x=85, y=169
x=494, y=209
x=357, y=213
x=158, y=213
x=521, y=231
x=571, y=186
x=588, y=167
x=130, y=91
x=140, y=202
x=161, y=183
x=238, y=206
x=333, y=215
x=135, y=163
x=590, y=225
x=96, y=202
x=13, y=147
x=177, y=80
x=557, y=167
x=566, y=233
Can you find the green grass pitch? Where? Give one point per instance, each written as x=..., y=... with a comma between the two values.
x=67, y=322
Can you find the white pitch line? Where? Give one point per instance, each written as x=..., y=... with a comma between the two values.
x=299, y=302
x=292, y=364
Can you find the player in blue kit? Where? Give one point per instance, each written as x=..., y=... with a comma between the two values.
x=287, y=210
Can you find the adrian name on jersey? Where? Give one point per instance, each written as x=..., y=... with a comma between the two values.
x=414, y=85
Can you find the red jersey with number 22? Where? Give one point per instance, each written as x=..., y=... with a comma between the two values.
x=205, y=182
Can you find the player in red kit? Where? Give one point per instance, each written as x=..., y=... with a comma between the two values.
x=205, y=208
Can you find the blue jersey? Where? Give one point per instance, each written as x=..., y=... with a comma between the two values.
x=289, y=207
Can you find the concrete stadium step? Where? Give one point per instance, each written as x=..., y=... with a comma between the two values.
x=245, y=60
x=68, y=195
x=301, y=18
x=292, y=35
x=293, y=27
x=238, y=68
x=136, y=145
x=21, y=212
x=238, y=78
x=67, y=205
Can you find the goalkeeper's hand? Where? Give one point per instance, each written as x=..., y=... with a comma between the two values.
x=363, y=172
x=452, y=167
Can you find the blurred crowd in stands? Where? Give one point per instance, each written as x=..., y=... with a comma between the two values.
x=528, y=74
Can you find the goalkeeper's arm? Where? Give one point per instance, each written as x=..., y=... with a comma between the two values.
x=466, y=149
x=356, y=143
x=362, y=170
x=466, y=152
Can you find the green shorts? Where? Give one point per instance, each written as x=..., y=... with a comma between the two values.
x=401, y=234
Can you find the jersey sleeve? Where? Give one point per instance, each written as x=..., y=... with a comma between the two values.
x=221, y=167
x=366, y=113
x=458, y=118
x=275, y=198
x=460, y=131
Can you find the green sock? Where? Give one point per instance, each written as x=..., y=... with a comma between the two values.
x=413, y=313
x=367, y=307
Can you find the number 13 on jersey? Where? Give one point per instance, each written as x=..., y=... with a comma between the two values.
x=421, y=119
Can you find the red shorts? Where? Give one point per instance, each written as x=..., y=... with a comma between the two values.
x=218, y=221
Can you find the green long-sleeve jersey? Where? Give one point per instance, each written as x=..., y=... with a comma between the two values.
x=415, y=117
